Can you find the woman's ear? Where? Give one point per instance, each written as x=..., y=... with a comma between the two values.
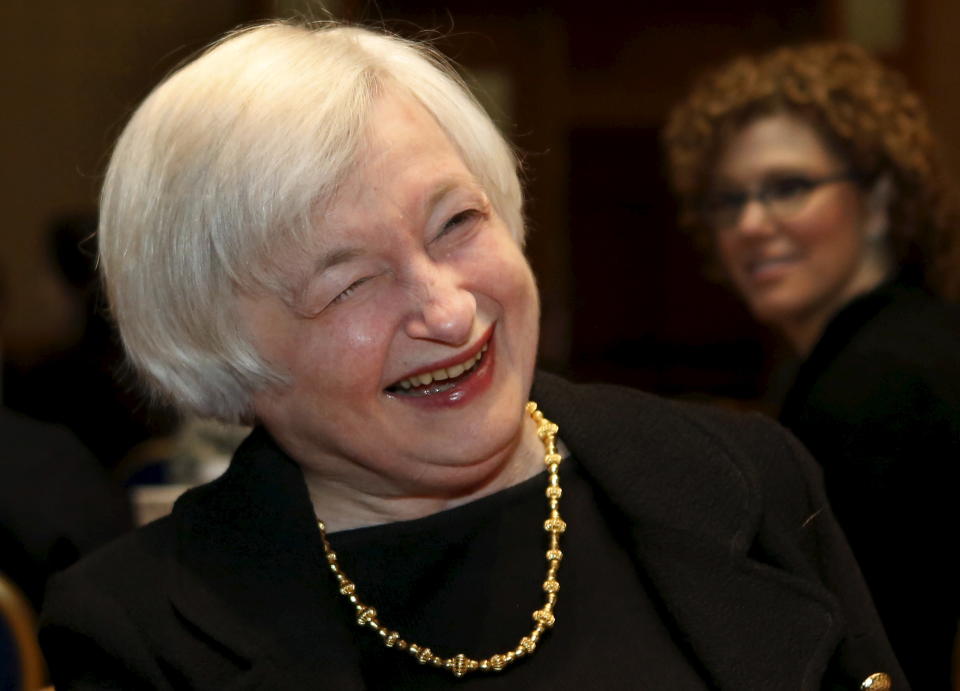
x=879, y=197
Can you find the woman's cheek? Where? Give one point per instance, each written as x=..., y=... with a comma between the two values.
x=355, y=340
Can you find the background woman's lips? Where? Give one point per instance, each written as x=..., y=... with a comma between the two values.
x=769, y=268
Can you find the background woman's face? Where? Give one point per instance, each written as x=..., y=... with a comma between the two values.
x=800, y=268
x=413, y=273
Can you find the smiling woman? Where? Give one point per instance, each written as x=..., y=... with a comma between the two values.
x=317, y=230
x=811, y=176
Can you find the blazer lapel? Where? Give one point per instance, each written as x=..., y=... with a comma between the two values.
x=692, y=519
x=250, y=572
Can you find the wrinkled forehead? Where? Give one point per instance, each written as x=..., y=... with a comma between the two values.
x=402, y=165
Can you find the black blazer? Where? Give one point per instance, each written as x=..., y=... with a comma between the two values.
x=725, y=514
x=877, y=402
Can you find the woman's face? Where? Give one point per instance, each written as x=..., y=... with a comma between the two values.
x=795, y=269
x=414, y=276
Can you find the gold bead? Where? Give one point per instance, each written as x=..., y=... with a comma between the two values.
x=554, y=555
x=547, y=430
x=545, y=617
x=424, y=655
x=554, y=492
x=554, y=525
x=347, y=588
x=461, y=664
x=551, y=585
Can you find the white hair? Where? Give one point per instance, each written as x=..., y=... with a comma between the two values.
x=226, y=162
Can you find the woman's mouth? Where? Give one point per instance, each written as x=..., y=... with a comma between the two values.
x=439, y=380
x=770, y=267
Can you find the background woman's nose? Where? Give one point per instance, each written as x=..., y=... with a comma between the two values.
x=754, y=219
x=443, y=312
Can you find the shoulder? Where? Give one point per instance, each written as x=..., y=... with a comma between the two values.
x=23, y=436
x=605, y=410
x=915, y=335
x=126, y=571
x=35, y=452
x=79, y=508
x=898, y=372
x=686, y=463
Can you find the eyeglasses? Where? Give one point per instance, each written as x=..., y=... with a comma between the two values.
x=782, y=198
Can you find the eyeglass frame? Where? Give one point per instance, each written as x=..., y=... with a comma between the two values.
x=765, y=194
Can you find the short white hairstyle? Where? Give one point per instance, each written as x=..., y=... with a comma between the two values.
x=227, y=161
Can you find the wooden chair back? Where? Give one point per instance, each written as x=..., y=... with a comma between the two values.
x=23, y=668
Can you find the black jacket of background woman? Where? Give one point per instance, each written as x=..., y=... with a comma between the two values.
x=878, y=404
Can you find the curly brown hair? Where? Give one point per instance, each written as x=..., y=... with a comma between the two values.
x=865, y=113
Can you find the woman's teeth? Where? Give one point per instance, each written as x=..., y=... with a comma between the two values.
x=441, y=374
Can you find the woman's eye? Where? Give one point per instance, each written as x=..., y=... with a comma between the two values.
x=722, y=201
x=350, y=290
x=457, y=220
x=787, y=188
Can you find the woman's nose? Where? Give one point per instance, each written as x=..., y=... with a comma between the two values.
x=755, y=219
x=443, y=311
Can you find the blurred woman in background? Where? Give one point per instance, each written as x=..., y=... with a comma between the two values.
x=811, y=176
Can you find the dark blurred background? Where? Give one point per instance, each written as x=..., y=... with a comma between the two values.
x=581, y=88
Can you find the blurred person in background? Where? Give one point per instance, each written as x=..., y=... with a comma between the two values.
x=318, y=230
x=81, y=384
x=56, y=501
x=811, y=177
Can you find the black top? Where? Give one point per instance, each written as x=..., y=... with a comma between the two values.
x=468, y=579
x=721, y=517
x=56, y=502
x=878, y=404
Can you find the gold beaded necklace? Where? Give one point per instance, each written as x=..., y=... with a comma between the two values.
x=544, y=617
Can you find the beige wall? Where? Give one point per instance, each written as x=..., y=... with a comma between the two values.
x=72, y=70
